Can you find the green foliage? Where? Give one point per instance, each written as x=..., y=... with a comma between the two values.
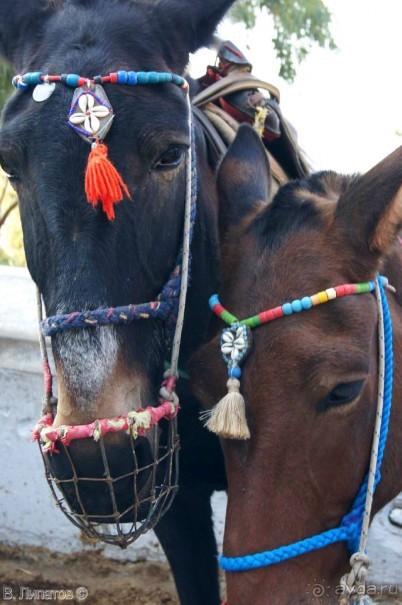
x=11, y=243
x=6, y=88
x=298, y=25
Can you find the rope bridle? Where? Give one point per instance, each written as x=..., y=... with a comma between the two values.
x=355, y=524
x=169, y=307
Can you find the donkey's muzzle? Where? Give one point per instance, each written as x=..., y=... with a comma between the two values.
x=104, y=479
x=117, y=487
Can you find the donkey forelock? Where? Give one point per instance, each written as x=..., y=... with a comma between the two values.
x=300, y=206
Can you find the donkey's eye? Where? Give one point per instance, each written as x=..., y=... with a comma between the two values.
x=10, y=173
x=13, y=179
x=170, y=158
x=341, y=395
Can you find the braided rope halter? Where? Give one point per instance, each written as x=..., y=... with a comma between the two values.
x=353, y=529
x=92, y=122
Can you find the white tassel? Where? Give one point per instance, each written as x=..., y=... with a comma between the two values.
x=228, y=417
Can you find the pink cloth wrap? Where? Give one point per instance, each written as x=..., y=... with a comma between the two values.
x=46, y=432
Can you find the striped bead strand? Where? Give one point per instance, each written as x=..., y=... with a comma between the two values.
x=129, y=78
x=307, y=302
x=298, y=305
x=220, y=311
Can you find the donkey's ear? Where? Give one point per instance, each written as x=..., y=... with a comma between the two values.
x=243, y=178
x=194, y=22
x=370, y=211
x=21, y=23
x=205, y=18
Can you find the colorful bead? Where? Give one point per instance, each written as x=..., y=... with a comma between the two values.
x=277, y=312
x=114, y=78
x=235, y=372
x=122, y=77
x=315, y=299
x=33, y=78
x=287, y=309
x=219, y=310
x=331, y=293
x=142, y=77
x=153, y=77
x=322, y=297
x=72, y=80
x=297, y=306
x=178, y=80
x=19, y=83
x=340, y=291
x=265, y=316
x=132, y=78
x=228, y=317
x=306, y=302
x=253, y=321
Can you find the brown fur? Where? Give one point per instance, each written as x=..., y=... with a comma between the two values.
x=301, y=469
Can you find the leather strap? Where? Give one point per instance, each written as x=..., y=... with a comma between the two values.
x=216, y=145
x=298, y=166
x=230, y=84
x=220, y=130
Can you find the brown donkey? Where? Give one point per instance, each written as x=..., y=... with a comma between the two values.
x=310, y=380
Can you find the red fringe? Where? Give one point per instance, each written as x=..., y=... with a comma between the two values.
x=103, y=183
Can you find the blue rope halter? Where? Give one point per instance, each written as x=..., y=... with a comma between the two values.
x=351, y=524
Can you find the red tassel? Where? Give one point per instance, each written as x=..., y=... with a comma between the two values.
x=103, y=183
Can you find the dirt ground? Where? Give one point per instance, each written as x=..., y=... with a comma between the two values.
x=88, y=578
x=108, y=582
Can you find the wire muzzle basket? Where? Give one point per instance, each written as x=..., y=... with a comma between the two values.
x=115, y=478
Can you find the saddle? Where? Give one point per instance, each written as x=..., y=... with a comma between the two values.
x=230, y=95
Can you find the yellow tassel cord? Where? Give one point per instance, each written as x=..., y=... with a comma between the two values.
x=228, y=417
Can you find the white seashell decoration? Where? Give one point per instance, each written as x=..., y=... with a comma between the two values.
x=90, y=115
x=233, y=343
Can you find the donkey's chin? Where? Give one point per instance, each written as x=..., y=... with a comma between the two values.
x=106, y=482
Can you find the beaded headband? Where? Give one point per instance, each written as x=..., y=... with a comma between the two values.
x=228, y=418
x=91, y=116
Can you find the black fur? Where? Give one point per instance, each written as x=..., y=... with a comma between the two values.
x=244, y=175
x=76, y=256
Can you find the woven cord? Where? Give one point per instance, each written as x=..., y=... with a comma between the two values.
x=187, y=237
x=48, y=401
x=284, y=553
x=353, y=584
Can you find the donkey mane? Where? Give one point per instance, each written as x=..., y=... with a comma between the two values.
x=299, y=206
